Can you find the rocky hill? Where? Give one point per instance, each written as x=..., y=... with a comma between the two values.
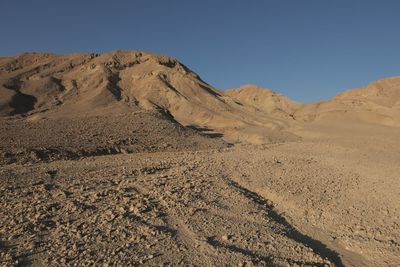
x=377, y=103
x=48, y=85
x=42, y=85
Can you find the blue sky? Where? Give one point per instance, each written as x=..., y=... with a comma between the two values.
x=309, y=49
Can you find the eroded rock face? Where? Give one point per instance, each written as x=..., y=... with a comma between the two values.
x=90, y=81
x=47, y=85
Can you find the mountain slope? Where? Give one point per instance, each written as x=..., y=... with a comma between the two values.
x=377, y=103
x=40, y=85
x=263, y=100
x=48, y=85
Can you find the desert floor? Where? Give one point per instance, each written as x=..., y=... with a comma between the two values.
x=330, y=199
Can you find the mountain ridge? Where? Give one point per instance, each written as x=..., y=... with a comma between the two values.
x=50, y=85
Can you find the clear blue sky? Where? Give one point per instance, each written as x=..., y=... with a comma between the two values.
x=306, y=49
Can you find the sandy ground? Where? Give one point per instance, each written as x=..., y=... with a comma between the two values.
x=329, y=201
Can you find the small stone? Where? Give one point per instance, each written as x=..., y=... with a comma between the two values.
x=226, y=237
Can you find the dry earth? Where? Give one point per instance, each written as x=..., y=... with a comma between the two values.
x=129, y=158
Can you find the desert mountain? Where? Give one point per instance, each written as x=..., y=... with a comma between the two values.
x=41, y=85
x=384, y=92
x=48, y=85
x=378, y=103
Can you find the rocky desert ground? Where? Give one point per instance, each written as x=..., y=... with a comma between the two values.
x=129, y=158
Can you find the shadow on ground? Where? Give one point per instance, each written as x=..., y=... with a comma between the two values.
x=317, y=246
x=206, y=131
